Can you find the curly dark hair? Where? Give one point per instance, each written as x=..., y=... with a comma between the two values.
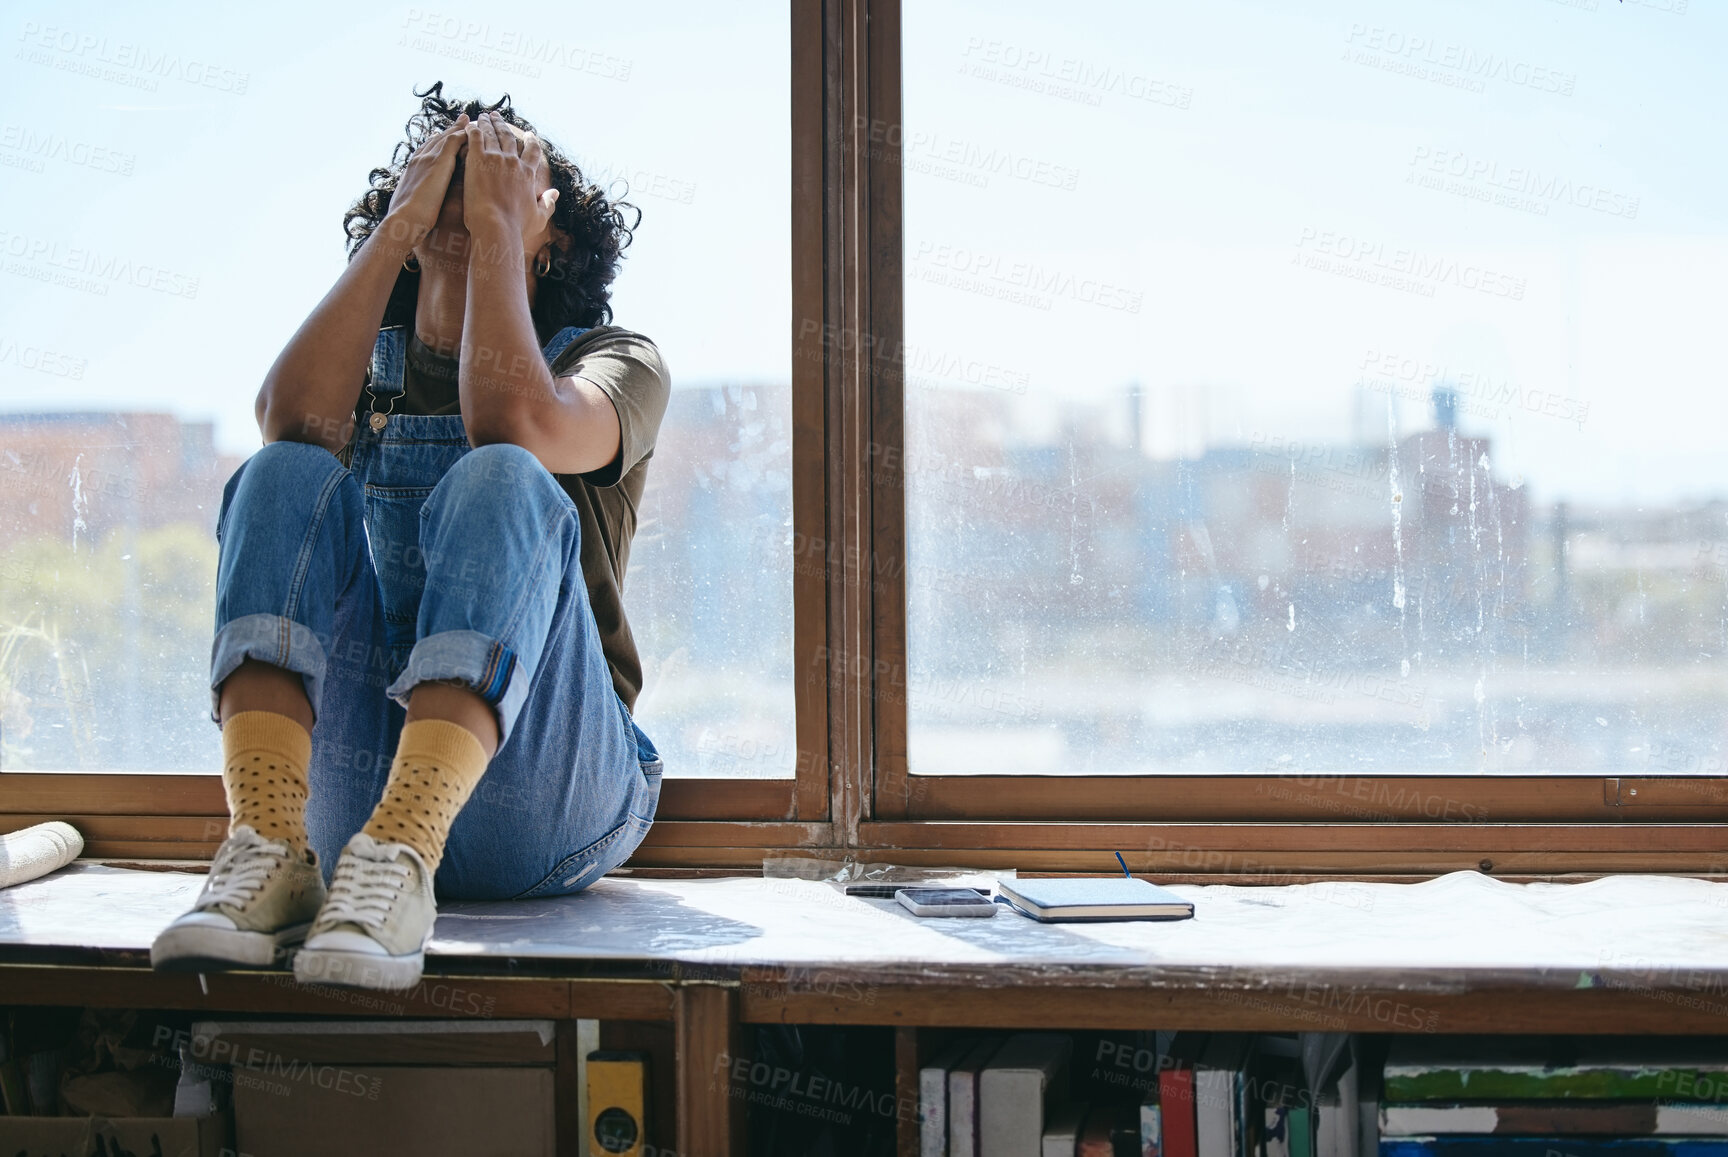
x=576, y=290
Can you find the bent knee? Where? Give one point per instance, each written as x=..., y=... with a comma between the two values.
x=297, y=459
x=280, y=470
x=497, y=472
x=499, y=464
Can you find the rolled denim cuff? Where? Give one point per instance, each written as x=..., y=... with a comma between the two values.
x=273, y=639
x=482, y=664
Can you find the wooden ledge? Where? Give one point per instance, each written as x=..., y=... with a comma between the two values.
x=1294, y=1008
x=444, y=996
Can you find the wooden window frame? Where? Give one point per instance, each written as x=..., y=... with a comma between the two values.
x=852, y=795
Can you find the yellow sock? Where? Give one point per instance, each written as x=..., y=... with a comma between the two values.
x=436, y=768
x=264, y=758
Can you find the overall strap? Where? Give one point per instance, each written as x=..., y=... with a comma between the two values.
x=390, y=356
x=562, y=339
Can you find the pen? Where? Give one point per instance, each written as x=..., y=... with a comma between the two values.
x=1124, y=864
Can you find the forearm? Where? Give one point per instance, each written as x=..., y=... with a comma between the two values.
x=503, y=379
x=310, y=392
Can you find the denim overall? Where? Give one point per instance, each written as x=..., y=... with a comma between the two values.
x=428, y=559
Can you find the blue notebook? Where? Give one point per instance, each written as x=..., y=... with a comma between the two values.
x=1093, y=898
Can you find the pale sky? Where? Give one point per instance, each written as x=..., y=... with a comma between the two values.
x=1264, y=132
x=246, y=192
x=1238, y=175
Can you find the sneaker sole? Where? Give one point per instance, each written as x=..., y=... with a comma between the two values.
x=358, y=969
x=195, y=949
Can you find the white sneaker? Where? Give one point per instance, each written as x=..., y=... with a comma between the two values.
x=373, y=929
x=259, y=898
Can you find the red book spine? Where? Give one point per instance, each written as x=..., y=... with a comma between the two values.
x=1176, y=1111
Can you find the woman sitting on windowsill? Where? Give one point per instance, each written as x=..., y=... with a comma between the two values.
x=421, y=657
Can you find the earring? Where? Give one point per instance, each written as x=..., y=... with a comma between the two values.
x=538, y=271
x=414, y=268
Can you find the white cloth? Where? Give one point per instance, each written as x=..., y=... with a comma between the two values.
x=36, y=851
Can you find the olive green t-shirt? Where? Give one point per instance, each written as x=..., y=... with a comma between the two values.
x=628, y=369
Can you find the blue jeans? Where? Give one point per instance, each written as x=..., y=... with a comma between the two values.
x=428, y=559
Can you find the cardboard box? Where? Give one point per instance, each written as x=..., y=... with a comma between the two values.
x=127, y=1136
x=427, y=1087
x=364, y=1110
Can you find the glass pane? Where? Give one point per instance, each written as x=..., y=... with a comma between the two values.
x=1316, y=386
x=172, y=185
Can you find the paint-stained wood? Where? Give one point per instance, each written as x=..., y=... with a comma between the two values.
x=810, y=408
x=567, y=1090
x=847, y=657
x=437, y=996
x=122, y=795
x=1313, y=797
x=1247, y=852
x=1340, y=799
x=1296, y=1008
x=111, y=793
x=1152, y=840
x=886, y=459
x=695, y=834
x=712, y=1101
x=1655, y=796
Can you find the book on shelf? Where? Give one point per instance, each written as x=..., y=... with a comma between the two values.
x=963, y=1098
x=1324, y=1055
x=1062, y=1131
x=1338, y=1118
x=1152, y=1123
x=1176, y=1111
x=1220, y=1078
x=1275, y=1131
x=1028, y=1074
x=1465, y=1070
x=1234, y=1094
x=1109, y=1129
x=1300, y=1126
x=933, y=1097
x=1280, y=1090
x=1559, y=1118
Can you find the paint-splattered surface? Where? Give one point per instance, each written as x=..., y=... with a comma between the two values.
x=1449, y=933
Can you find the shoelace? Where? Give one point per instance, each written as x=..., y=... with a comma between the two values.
x=363, y=891
x=238, y=872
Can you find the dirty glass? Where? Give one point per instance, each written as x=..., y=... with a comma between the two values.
x=1316, y=386
x=172, y=184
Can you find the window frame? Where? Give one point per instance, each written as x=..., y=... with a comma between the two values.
x=852, y=795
